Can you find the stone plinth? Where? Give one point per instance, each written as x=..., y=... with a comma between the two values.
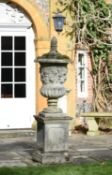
x=52, y=138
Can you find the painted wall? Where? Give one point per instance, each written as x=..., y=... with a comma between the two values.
x=40, y=13
x=63, y=47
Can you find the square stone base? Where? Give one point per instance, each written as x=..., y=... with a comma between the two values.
x=50, y=157
x=52, y=138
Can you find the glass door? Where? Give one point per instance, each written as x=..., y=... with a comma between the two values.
x=16, y=80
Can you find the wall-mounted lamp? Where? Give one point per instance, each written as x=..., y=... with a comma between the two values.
x=58, y=22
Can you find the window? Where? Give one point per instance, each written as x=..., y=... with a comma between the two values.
x=82, y=73
x=13, y=66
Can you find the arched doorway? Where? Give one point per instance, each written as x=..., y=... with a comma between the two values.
x=17, y=68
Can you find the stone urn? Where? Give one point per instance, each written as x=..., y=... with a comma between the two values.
x=52, y=123
x=53, y=71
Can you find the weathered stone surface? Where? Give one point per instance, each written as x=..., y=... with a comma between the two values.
x=100, y=155
x=10, y=159
x=53, y=71
x=82, y=149
x=52, y=138
x=12, y=164
x=50, y=157
x=9, y=156
x=52, y=133
x=92, y=123
x=79, y=160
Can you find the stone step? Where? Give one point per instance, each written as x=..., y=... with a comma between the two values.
x=15, y=133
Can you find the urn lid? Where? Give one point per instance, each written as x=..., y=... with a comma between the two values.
x=53, y=56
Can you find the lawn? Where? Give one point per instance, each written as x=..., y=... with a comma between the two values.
x=65, y=169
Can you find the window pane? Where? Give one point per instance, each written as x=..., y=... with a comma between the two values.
x=20, y=75
x=20, y=59
x=82, y=86
x=6, y=75
x=81, y=59
x=6, y=91
x=6, y=43
x=82, y=73
x=6, y=59
x=19, y=43
x=20, y=90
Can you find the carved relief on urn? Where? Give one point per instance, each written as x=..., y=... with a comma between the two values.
x=53, y=71
x=53, y=79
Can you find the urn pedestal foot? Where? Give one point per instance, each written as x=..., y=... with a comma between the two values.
x=52, y=138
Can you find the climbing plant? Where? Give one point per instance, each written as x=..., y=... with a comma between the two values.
x=90, y=25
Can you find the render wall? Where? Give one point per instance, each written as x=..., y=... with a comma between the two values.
x=41, y=12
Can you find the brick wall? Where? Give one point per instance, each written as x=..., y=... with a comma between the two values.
x=89, y=99
x=89, y=81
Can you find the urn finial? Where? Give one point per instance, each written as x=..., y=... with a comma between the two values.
x=54, y=44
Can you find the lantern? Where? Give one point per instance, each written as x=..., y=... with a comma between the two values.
x=58, y=22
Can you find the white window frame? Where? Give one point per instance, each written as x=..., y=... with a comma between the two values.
x=14, y=34
x=80, y=93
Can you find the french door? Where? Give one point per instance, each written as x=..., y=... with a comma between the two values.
x=17, y=74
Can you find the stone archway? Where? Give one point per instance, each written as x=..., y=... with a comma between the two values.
x=35, y=15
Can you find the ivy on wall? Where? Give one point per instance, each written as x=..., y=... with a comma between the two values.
x=91, y=26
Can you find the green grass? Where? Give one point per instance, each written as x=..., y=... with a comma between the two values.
x=65, y=169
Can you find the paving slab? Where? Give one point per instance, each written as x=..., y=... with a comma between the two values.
x=10, y=159
x=12, y=164
x=79, y=160
x=82, y=149
x=100, y=155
